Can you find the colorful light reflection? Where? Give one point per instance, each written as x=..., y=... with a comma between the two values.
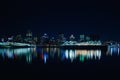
x=46, y=54
x=88, y=54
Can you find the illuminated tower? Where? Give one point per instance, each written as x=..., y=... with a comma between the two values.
x=29, y=36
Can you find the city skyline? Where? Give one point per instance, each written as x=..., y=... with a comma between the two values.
x=56, y=35
x=66, y=39
x=70, y=37
x=61, y=17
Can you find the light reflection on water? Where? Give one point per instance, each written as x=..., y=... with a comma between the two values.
x=46, y=54
x=82, y=54
x=113, y=51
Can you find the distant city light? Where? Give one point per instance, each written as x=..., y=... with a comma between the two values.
x=45, y=47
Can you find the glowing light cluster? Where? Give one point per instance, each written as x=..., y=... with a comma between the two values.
x=89, y=54
x=82, y=43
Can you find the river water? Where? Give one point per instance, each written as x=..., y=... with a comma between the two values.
x=45, y=55
x=69, y=62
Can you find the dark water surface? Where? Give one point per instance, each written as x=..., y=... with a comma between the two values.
x=56, y=62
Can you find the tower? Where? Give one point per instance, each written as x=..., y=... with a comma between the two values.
x=29, y=36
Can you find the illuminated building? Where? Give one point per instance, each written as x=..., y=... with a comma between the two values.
x=72, y=38
x=82, y=37
x=29, y=36
x=52, y=40
x=35, y=39
x=2, y=40
x=45, y=39
x=61, y=38
x=87, y=38
x=18, y=38
x=29, y=33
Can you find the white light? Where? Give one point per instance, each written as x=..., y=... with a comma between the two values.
x=66, y=53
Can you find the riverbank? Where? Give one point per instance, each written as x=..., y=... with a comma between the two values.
x=63, y=47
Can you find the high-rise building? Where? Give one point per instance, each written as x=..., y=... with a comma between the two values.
x=45, y=39
x=52, y=40
x=61, y=38
x=87, y=38
x=35, y=39
x=29, y=36
x=39, y=39
x=82, y=37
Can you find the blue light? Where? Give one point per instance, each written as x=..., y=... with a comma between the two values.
x=45, y=58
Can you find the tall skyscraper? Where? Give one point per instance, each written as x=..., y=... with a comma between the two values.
x=29, y=36
x=82, y=37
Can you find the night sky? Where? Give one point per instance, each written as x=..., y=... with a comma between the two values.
x=68, y=17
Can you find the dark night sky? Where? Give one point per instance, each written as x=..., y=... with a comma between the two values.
x=85, y=17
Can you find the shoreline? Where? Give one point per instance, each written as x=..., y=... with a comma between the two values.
x=62, y=47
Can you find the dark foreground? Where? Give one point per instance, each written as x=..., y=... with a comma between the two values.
x=105, y=68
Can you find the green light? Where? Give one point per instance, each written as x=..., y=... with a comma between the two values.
x=82, y=59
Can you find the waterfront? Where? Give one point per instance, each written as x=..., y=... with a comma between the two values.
x=52, y=55
x=29, y=55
